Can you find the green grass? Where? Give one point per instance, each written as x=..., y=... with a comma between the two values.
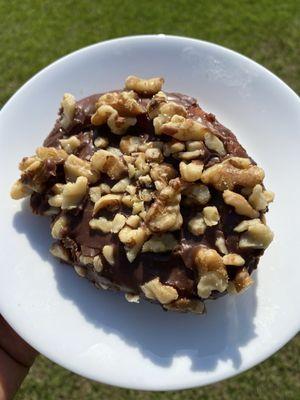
x=35, y=33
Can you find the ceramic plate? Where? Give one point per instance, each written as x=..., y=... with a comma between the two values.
x=98, y=334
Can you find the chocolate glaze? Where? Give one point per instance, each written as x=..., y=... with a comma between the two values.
x=173, y=268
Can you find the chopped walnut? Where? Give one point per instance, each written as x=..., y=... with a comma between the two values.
x=197, y=225
x=180, y=128
x=155, y=290
x=120, y=187
x=170, y=108
x=51, y=153
x=163, y=217
x=240, y=204
x=142, y=168
x=210, y=281
x=108, y=253
x=213, y=143
x=269, y=196
x=160, y=243
x=145, y=180
x=154, y=155
x=146, y=195
x=71, y=144
x=242, y=280
x=101, y=224
x=209, y=260
x=104, y=161
x=59, y=227
x=95, y=193
x=163, y=173
x=106, y=114
x=186, y=305
x=137, y=207
x=124, y=103
x=220, y=244
x=145, y=87
x=75, y=167
x=68, y=105
x=19, y=190
x=118, y=222
x=105, y=188
x=111, y=201
x=233, y=259
x=73, y=193
x=257, y=236
x=155, y=103
x=133, y=240
x=97, y=263
x=133, y=221
x=173, y=147
x=244, y=225
x=101, y=142
x=60, y=252
x=257, y=198
x=232, y=172
x=193, y=145
x=198, y=194
x=190, y=155
x=192, y=171
x=86, y=260
x=132, y=298
x=211, y=215
x=130, y=144
x=81, y=271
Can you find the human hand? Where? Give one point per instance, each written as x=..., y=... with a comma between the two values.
x=16, y=357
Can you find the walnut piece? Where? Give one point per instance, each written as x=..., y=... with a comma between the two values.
x=108, y=253
x=75, y=167
x=209, y=260
x=105, y=161
x=97, y=263
x=71, y=144
x=154, y=155
x=145, y=87
x=133, y=221
x=68, y=105
x=240, y=204
x=257, y=236
x=19, y=190
x=155, y=103
x=257, y=198
x=95, y=193
x=220, y=244
x=160, y=243
x=101, y=224
x=197, y=225
x=198, y=194
x=130, y=144
x=111, y=201
x=58, y=251
x=242, y=280
x=124, y=103
x=51, y=153
x=73, y=193
x=133, y=240
x=59, y=227
x=120, y=187
x=186, y=305
x=232, y=172
x=211, y=215
x=180, y=128
x=155, y=290
x=101, y=142
x=132, y=298
x=213, y=143
x=106, y=114
x=210, y=281
x=233, y=259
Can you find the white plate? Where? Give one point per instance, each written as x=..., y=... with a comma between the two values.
x=98, y=334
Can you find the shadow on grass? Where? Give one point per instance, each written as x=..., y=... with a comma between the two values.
x=160, y=336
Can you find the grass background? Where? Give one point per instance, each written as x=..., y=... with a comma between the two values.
x=35, y=33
